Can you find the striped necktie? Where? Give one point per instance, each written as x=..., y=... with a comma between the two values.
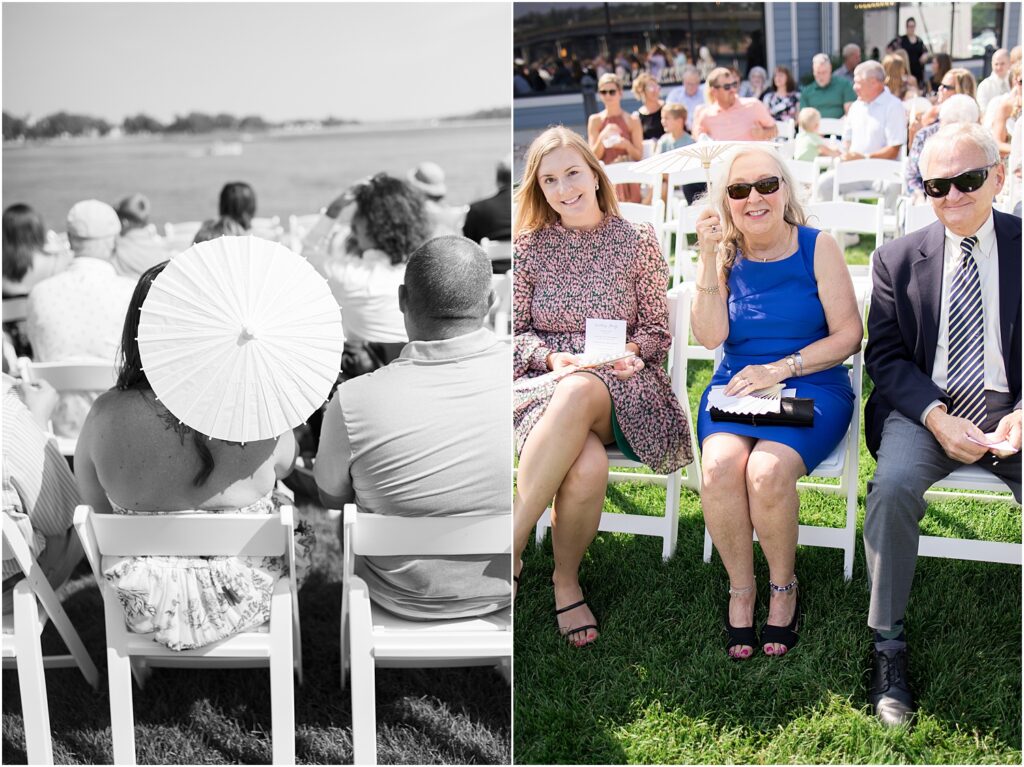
x=966, y=373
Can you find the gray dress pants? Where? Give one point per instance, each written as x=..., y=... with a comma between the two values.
x=910, y=461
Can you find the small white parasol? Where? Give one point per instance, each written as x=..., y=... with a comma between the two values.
x=240, y=338
x=701, y=153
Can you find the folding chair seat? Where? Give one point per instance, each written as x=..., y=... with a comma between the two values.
x=276, y=644
x=372, y=638
x=666, y=527
x=75, y=376
x=842, y=462
x=35, y=603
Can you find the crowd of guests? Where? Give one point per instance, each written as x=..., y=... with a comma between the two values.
x=943, y=347
x=419, y=387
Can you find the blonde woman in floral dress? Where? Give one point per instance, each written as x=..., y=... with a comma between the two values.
x=577, y=259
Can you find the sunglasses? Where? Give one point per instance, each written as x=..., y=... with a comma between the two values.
x=609, y=93
x=727, y=86
x=945, y=87
x=968, y=181
x=764, y=187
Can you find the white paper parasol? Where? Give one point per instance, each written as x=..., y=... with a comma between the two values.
x=700, y=154
x=240, y=338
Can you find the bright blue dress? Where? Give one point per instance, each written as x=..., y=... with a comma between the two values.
x=774, y=311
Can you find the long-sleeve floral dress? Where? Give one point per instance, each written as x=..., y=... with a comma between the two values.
x=562, y=277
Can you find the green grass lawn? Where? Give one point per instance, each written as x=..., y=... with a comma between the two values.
x=657, y=687
x=428, y=716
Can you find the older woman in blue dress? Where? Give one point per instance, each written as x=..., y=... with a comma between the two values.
x=779, y=296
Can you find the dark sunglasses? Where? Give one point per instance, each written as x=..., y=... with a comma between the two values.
x=764, y=187
x=609, y=93
x=968, y=181
x=727, y=86
x=943, y=86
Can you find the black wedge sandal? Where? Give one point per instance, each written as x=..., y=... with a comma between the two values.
x=784, y=635
x=568, y=633
x=740, y=636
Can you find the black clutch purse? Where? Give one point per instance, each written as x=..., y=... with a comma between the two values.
x=793, y=411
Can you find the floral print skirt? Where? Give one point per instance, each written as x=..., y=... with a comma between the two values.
x=189, y=602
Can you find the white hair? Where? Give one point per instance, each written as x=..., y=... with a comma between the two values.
x=950, y=137
x=821, y=58
x=850, y=48
x=959, y=108
x=690, y=69
x=93, y=247
x=870, y=69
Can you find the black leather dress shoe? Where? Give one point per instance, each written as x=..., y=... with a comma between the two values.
x=889, y=692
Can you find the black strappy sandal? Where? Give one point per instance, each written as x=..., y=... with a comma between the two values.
x=784, y=635
x=740, y=636
x=568, y=633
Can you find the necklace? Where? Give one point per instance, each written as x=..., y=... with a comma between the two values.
x=778, y=256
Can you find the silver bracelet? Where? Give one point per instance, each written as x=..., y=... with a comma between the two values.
x=708, y=291
x=799, y=362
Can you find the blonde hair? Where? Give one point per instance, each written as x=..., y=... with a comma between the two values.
x=610, y=77
x=731, y=246
x=808, y=116
x=676, y=110
x=963, y=81
x=532, y=209
x=639, y=86
x=895, y=70
x=714, y=78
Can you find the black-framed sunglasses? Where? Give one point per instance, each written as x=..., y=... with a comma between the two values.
x=764, y=187
x=944, y=87
x=609, y=93
x=727, y=86
x=968, y=181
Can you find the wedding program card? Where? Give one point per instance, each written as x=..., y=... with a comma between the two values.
x=604, y=337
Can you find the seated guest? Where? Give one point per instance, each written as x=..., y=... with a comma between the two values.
x=135, y=457
x=139, y=247
x=851, y=58
x=428, y=179
x=615, y=135
x=429, y=436
x=491, y=217
x=1003, y=111
x=218, y=227
x=954, y=81
x=896, y=74
x=757, y=261
x=673, y=121
x=876, y=127
x=366, y=264
x=755, y=84
x=39, y=490
x=959, y=108
x=998, y=82
x=727, y=117
x=648, y=92
x=831, y=96
x=944, y=352
x=238, y=202
x=690, y=94
x=78, y=314
x=783, y=98
x=809, y=143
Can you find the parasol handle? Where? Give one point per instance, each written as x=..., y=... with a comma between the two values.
x=249, y=333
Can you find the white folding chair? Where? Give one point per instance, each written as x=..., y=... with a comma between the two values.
x=76, y=376
x=832, y=126
x=917, y=217
x=840, y=216
x=786, y=128
x=373, y=638
x=15, y=309
x=276, y=644
x=501, y=313
x=805, y=173
x=34, y=603
x=666, y=527
x=886, y=171
x=626, y=173
x=842, y=462
x=179, y=236
x=685, y=261
x=970, y=478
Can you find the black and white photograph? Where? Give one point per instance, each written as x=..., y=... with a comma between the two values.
x=257, y=456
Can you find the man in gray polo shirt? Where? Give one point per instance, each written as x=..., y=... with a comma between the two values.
x=430, y=435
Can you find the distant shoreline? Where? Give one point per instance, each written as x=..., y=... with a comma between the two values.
x=273, y=133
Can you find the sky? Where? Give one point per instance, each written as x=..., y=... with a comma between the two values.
x=366, y=61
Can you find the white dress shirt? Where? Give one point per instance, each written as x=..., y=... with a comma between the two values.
x=679, y=96
x=987, y=258
x=873, y=126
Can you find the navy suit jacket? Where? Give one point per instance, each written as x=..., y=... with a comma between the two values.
x=903, y=322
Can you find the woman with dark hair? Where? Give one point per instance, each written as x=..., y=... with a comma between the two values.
x=238, y=202
x=782, y=99
x=25, y=260
x=941, y=63
x=365, y=264
x=135, y=457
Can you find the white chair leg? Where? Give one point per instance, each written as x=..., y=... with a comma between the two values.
x=31, y=680
x=707, y=546
x=364, y=697
x=122, y=718
x=62, y=623
x=672, y=484
x=343, y=635
x=296, y=634
x=282, y=687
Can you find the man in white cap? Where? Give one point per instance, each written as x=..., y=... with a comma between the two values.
x=491, y=217
x=78, y=314
x=428, y=179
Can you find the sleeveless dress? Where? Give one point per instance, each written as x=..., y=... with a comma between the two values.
x=774, y=311
x=189, y=602
x=616, y=271
x=651, y=124
x=623, y=192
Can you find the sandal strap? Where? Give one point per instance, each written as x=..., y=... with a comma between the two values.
x=740, y=635
x=783, y=635
x=573, y=606
x=570, y=632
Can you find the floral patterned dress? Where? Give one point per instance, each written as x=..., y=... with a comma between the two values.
x=189, y=602
x=561, y=278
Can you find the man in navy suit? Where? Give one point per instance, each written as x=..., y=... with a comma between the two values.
x=944, y=352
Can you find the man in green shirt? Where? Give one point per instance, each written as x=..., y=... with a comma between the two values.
x=830, y=95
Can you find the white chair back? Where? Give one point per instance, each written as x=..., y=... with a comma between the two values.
x=805, y=173
x=888, y=171
x=918, y=217
x=842, y=216
x=786, y=128
x=626, y=173
x=79, y=376
x=832, y=126
x=653, y=214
